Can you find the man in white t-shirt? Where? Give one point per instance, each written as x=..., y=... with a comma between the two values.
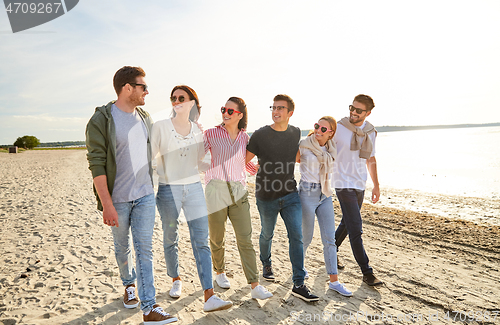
x=355, y=139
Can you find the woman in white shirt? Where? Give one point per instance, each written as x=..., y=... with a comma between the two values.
x=317, y=154
x=227, y=196
x=177, y=144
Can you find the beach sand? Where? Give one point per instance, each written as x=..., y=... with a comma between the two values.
x=58, y=266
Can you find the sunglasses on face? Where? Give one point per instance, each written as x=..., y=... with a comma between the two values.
x=322, y=128
x=181, y=98
x=358, y=110
x=144, y=87
x=230, y=111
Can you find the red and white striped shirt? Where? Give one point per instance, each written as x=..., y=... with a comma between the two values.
x=228, y=157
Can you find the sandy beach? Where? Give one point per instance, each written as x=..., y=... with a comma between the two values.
x=58, y=266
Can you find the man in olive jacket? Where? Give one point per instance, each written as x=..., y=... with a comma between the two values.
x=119, y=155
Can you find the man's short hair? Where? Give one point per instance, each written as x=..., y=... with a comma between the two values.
x=366, y=100
x=126, y=75
x=288, y=99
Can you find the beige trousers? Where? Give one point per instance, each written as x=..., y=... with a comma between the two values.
x=230, y=199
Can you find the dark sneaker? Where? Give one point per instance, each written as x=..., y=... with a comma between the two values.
x=129, y=298
x=158, y=317
x=339, y=265
x=268, y=273
x=371, y=280
x=304, y=293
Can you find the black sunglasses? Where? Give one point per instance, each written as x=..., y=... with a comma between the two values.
x=358, y=110
x=230, y=111
x=173, y=99
x=144, y=87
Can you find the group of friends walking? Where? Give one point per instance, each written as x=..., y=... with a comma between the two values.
x=125, y=147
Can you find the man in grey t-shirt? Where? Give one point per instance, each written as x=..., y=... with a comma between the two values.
x=119, y=155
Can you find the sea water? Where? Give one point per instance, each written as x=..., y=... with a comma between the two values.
x=462, y=161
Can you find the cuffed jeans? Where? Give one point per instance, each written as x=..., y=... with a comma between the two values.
x=350, y=202
x=314, y=202
x=170, y=199
x=136, y=218
x=290, y=209
x=238, y=211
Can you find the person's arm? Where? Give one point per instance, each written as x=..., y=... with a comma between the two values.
x=249, y=157
x=297, y=157
x=202, y=151
x=252, y=168
x=371, y=164
x=96, y=156
x=109, y=214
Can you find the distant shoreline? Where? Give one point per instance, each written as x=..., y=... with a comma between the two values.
x=385, y=128
x=388, y=128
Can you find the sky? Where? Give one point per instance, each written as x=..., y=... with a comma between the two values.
x=424, y=63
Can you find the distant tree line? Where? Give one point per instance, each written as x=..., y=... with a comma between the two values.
x=62, y=144
x=30, y=142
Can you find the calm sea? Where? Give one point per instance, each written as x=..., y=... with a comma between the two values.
x=462, y=161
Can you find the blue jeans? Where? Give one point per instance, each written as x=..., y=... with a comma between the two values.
x=136, y=218
x=170, y=199
x=291, y=211
x=316, y=203
x=350, y=202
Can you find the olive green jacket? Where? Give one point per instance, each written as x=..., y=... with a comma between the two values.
x=100, y=138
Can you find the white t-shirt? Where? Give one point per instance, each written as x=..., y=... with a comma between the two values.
x=177, y=156
x=309, y=165
x=349, y=171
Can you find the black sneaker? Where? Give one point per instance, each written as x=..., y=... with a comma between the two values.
x=339, y=265
x=371, y=280
x=304, y=293
x=268, y=273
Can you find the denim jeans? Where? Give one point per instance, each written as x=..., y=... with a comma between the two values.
x=316, y=203
x=170, y=199
x=136, y=218
x=291, y=211
x=350, y=202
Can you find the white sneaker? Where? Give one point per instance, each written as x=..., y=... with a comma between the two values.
x=215, y=303
x=222, y=281
x=307, y=274
x=176, y=290
x=340, y=288
x=259, y=292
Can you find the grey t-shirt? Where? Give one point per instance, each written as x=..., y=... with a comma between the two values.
x=132, y=169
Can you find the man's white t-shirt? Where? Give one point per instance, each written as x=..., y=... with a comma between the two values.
x=349, y=171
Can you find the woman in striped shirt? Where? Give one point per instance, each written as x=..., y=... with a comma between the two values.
x=227, y=196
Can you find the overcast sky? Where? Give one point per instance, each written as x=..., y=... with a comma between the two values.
x=425, y=62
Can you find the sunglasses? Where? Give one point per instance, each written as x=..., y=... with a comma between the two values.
x=173, y=99
x=322, y=128
x=144, y=87
x=358, y=110
x=230, y=111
